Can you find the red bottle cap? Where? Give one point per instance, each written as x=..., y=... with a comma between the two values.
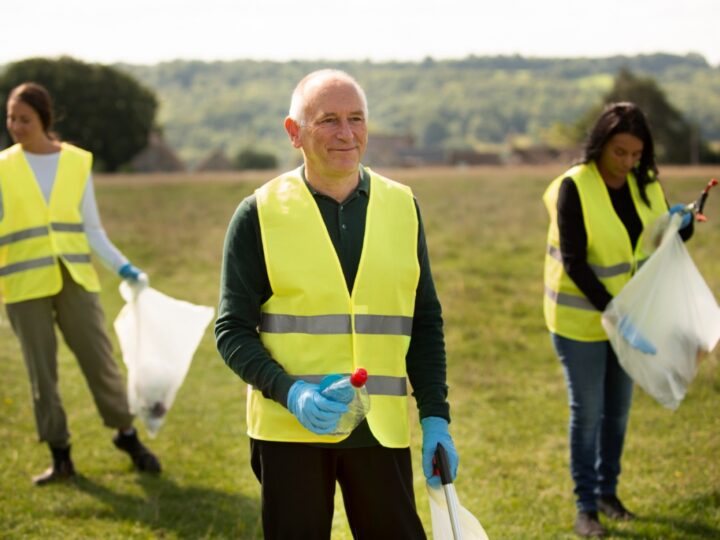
x=359, y=378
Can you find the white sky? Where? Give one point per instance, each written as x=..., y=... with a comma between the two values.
x=150, y=31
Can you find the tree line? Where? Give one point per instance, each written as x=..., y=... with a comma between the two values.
x=477, y=103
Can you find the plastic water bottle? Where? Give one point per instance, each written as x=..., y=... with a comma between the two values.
x=336, y=387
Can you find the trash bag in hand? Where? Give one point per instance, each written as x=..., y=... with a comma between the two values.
x=158, y=336
x=674, y=311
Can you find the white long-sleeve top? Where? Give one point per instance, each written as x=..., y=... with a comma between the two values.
x=44, y=166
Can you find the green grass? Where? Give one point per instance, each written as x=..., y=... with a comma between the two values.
x=486, y=233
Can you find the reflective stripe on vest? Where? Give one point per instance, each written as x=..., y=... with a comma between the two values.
x=35, y=234
x=379, y=385
x=313, y=326
x=26, y=265
x=609, y=252
x=335, y=324
x=599, y=271
x=23, y=235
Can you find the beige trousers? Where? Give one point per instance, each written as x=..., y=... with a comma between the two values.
x=80, y=318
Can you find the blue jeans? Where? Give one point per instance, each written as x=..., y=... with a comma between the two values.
x=599, y=394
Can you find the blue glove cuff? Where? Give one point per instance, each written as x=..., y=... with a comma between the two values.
x=128, y=271
x=687, y=215
x=292, y=397
x=433, y=423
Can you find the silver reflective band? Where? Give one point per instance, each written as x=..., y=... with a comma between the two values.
x=34, y=232
x=335, y=324
x=611, y=271
x=22, y=235
x=600, y=271
x=76, y=257
x=296, y=324
x=385, y=385
x=570, y=300
x=379, y=385
x=26, y=265
x=393, y=325
x=67, y=227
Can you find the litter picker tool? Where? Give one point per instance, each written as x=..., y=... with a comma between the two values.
x=443, y=466
x=696, y=207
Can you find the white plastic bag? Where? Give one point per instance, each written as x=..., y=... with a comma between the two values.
x=158, y=336
x=442, y=529
x=670, y=304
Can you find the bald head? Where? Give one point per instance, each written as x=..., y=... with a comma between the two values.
x=315, y=82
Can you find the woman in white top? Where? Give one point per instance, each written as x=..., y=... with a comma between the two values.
x=49, y=223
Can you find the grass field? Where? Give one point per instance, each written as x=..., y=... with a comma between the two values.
x=486, y=232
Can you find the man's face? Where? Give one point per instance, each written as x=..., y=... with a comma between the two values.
x=333, y=134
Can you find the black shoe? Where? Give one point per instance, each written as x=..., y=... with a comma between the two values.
x=588, y=525
x=62, y=468
x=143, y=459
x=611, y=506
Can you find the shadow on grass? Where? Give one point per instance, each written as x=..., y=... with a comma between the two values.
x=676, y=527
x=187, y=511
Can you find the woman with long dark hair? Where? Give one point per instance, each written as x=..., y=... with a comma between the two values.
x=600, y=210
x=49, y=225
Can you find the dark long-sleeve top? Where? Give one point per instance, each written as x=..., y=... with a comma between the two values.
x=573, y=237
x=245, y=286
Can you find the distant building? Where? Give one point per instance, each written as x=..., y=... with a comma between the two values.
x=384, y=150
x=421, y=157
x=157, y=156
x=471, y=157
x=539, y=155
x=215, y=161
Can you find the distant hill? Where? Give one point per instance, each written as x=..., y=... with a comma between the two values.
x=473, y=103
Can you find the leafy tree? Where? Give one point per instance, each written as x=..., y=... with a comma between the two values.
x=99, y=108
x=435, y=133
x=676, y=139
x=250, y=158
x=477, y=101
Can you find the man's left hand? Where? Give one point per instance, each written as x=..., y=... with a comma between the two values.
x=435, y=431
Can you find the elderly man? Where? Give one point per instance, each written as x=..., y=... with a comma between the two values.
x=326, y=269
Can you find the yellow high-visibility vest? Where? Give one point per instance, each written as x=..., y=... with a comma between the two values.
x=313, y=326
x=35, y=235
x=610, y=255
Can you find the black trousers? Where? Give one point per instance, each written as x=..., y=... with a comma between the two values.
x=298, y=490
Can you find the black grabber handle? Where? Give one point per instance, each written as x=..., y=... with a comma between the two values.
x=442, y=465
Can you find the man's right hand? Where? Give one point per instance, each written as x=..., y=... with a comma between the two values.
x=314, y=411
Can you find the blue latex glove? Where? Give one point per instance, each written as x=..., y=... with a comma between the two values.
x=131, y=273
x=435, y=430
x=316, y=412
x=136, y=278
x=633, y=336
x=686, y=217
x=337, y=388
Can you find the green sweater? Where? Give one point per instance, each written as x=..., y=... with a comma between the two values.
x=245, y=287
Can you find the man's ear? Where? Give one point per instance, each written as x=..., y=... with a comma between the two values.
x=293, y=131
